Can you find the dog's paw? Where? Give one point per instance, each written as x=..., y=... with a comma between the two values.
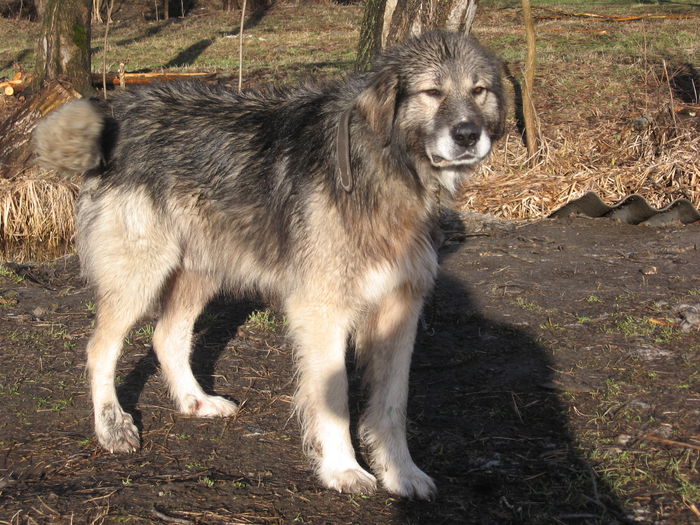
x=208, y=406
x=409, y=482
x=351, y=480
x=115, y=430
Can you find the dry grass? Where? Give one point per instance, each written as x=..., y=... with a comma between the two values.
x=657, y=157
x=609, y=113
x=36, y=209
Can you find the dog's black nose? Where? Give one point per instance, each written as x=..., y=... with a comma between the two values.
x=466, y=134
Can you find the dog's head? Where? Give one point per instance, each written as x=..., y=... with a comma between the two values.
x=439, y=100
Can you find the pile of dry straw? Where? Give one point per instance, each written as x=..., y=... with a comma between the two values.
x=657, y=157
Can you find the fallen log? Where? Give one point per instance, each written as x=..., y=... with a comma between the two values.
x=610, y=18
x=17, y=84
x=113, y=79
x=23, y=80
x=590, y=31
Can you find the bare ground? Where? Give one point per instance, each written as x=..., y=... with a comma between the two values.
x=551, y=384
x=551, y=381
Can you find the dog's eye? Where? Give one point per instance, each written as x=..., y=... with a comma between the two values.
x=433, y=93
x=478, y=90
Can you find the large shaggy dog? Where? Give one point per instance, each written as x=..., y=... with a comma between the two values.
x=322, y=196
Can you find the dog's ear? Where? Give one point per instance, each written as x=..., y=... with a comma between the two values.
x=496, y=110
x=377, y=102
x=497, y=124
x=498, y=128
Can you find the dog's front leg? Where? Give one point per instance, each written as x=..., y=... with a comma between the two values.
x=184, y=299
x=384, y=348
x=320, y=333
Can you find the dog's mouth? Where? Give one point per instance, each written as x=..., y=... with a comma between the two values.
x=444, y=152
x=465, y=160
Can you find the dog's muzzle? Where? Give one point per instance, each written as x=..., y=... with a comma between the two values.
x=464, y=144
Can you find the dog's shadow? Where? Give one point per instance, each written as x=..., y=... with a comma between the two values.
x=482, y=421
x=216, y=326
x=485, y=425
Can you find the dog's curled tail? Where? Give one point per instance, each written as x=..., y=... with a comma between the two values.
x=69, y=139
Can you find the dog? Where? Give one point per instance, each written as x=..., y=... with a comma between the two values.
x=322, y=196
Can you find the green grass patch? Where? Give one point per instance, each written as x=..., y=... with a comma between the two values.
x=632, y=327
x=265, y=320
x=288, y=42
x=9, y=274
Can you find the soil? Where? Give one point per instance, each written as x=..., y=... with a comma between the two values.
x=551, y=383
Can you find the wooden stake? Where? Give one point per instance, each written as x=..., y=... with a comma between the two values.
x=529, y=114
x=240, y=48
x=104, y=49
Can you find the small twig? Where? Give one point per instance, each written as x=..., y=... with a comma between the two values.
x=51, y=510
x=670, y=94
x=514, y=397
x=96, y=498
x=170, y=519
x=104, y=50
x=670, y=442
x=594, y=485
x=693, y=508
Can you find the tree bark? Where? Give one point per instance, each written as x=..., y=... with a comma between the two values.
x=370, y=33
x=64, y=45
x=388, y=22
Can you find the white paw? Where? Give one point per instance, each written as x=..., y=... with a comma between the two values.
x=409, y=482
x=352, y=480
x=208, y=406
x=115, y=429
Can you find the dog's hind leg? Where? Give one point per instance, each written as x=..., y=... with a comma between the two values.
x=187, y=295
x=384, y=349
x=114, y=428
x=127, y=254
x=320, y=333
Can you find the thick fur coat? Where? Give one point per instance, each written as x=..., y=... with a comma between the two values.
x=190, y=190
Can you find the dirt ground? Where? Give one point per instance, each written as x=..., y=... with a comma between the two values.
x=551, y=383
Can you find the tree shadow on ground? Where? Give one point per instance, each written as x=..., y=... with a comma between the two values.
x=485, y=425
x=148, y=33
x=484, y=421
x=189, y=55
x=16, y=60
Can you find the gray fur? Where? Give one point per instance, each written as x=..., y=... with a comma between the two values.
x=192, y=189
x=68, y=140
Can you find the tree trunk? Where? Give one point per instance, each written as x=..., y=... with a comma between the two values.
x=64, y=46
x=389, y=22
x=39, y=6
